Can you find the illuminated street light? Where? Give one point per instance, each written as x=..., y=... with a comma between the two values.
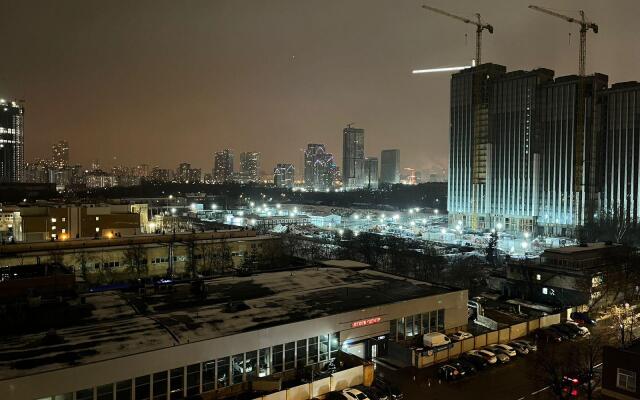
x=526, y=235
x=412, y=223
x=252, y=204
x=396, y=217
x=436, y=211
x=411, y=211
x=524, y=245
x=443, y=230
x=340, y=232
x=278, y=205
x=170, y=196
x=356, y=216
x=368, y=216
x=173, y=210
x=214, y=206
x=193, y=206
x=498, y=226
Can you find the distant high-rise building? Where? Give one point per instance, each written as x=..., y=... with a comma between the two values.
x=60, y=154
x=319, y=167
x=371, y=172
x=249, y=166
x=283, y=175
x=621, y=161
x=223, y=166
x=352, y=157
x=142, y=170
x=390, y=166
x=11, y=141
x=160, y=175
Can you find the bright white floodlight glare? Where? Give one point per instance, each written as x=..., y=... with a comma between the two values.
x=445, y=69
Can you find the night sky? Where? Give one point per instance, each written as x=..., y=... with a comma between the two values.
x=161, y=82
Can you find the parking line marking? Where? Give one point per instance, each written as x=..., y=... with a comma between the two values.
x=541, y=390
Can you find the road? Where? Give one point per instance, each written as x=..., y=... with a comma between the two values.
x=512, y=381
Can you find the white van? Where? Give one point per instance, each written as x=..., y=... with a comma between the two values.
x=435, y=339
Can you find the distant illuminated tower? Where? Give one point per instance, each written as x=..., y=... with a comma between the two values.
x=352, y=157
x=371, y=172
x=60, y=154
x=390, y=166
x=283, y=175
x=223, y=166
x=319, y=167
x=11, y=142
x=249, y=166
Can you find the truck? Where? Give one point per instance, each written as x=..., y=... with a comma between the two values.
x=436, y=340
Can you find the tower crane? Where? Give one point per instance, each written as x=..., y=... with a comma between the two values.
x=584, y=27
x=480, y=26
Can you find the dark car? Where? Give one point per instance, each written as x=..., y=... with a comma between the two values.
x=450, y=373
x=465, y=366
x=582, y=318
x=548, y=336
x=564, y=335
x=388, y=388
x=571, y=334
x=477, y=361
x=335, y=396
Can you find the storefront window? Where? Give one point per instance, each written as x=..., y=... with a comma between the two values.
x=160, y=385
x=416, y=324
x=193, y=379
x=223, y=372
x=143, y=387
x=425, y=323
x=264, y=361
x=123, y=390
x=84, y=394
x=393, y=329
x=278, y=353
x=409, y=326
x=324, y=348
x=313, y=350
x=177, y=383
x=441, y=320
x=237, y=368
x=433, y=318
x=251, y=364
x=290, y=355
x=105, y=392
x=400, y=328
x=301, y=353
x=335, y=343
x=208, y=375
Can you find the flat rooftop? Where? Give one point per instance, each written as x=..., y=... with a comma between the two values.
x=115, y=327
x=581, y=249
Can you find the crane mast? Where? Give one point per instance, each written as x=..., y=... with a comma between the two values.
x=584, y=27
x=480, y=26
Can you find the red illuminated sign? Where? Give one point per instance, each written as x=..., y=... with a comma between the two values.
x=366, y=322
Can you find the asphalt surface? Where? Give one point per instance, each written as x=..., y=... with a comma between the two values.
x=510, y=381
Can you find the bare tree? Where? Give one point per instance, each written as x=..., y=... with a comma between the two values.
x=135, y=258
x=82, y=259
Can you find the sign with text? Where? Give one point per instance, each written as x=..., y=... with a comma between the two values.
x=366, y=322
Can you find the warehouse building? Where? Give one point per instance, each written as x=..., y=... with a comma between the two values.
x=246, y=328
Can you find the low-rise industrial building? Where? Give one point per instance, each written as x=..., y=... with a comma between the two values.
x=621, y=372
x=244, y=328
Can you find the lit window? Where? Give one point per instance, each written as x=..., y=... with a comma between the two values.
x=538, y=277
x=97, y=218
x=626, y=380
x=97, y=229
x=53, y=220
x=53, y=228
x=545, y=290
x=64, y=220
x=64, y=230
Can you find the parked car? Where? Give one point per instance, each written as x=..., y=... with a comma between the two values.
x=582, y=318
x=464, y=365
x=572, y=334
x=548, y=335
x=336, y=396
x=435, y=340
x=503, y=348
x=460, y=335
x=499, y=354
x=487, y=355
x=519, y=347
x=477, y=360
x=390, y=389
x=565, y=335
x=580, y=330
x=529, y=345
x=449, y=373
x=354, y=394
x=373, y=392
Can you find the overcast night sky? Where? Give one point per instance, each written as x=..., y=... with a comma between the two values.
x=166, y=81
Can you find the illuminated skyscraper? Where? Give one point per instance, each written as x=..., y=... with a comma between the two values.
x=11, y=141
x=283, y=175
x=353, y=157
x=371, y=172
x=249, y=166
x=223, y=166
x=319, y=168
x=60, y=154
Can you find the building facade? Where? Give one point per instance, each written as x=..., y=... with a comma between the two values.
x=319, y=168
x=621, y=372
x=371, y=173
x=390, y=166
x=223, y=166
x=353, y=158
x=249, y=166
x=11, y=142
x=60, y=154
x=283, y=175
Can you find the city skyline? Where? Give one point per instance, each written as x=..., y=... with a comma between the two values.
x=214, y=91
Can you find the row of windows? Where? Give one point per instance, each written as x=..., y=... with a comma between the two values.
x=193, y=379
x=413, y=325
